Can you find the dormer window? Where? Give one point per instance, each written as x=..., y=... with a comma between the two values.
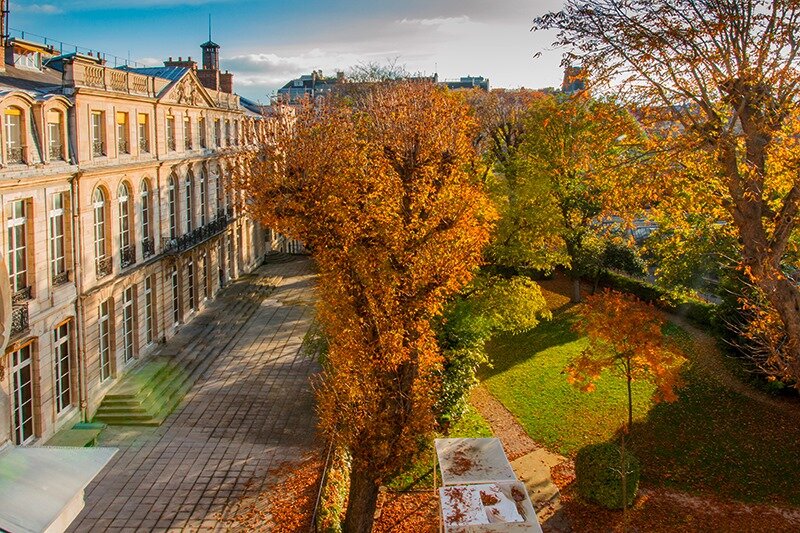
x=15, y=151
x=27, y=59
x=55, y=143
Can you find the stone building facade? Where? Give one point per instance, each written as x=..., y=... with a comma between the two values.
x=120, y=221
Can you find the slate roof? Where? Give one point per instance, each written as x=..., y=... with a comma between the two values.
x=33, y=81
x=167, y=73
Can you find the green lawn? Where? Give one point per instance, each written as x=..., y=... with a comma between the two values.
x=710, y=439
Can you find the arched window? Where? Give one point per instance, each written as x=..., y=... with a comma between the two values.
x=13, y=121
x=202, y=198
x=189, y=202
x=173, y=226
x=103, y=266
x=126, y=251
x=147, y=238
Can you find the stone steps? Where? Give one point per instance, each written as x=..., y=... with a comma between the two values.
x=151, y=392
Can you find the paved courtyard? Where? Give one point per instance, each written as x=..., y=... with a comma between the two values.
x=251, y=411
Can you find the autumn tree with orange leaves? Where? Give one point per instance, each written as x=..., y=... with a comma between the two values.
x=381, y=188
x=625, y=334
x=718, y=83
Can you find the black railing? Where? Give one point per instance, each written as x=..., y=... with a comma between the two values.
x=19, y=318
x=171, y=144
x=144, y=146
x=98, y=148
x=15, y=155
x=148, y=247
x=127, y=256
x=103, y=266
x=198, y=235
x=56, y=153
x=60, y=279
x=22, y=295
x=122, y=146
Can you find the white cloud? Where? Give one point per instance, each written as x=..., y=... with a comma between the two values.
x=39, y=9
x=437, y=21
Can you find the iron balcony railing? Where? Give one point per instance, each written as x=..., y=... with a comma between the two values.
x=103, y=266
x=56, y=153
x=22, y=295
x=198, y=235
x=61, y=278
x=15, y=155
x=144, y=146
x=127, y=256
x=148, y=247
x=122, y=146
x=98, y=148
x=19, y=318
x=171, y=144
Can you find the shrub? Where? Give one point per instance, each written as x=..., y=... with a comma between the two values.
x=597, y=474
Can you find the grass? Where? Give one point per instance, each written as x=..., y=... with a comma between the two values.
x=419, y=474
x=711, y=440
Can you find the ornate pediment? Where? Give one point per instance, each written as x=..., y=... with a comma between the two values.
x=188, y=91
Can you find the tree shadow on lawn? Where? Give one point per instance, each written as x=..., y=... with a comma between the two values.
x=715, y=440
x=507, y=350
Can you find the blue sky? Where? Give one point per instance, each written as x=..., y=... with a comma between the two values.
x=266, y=43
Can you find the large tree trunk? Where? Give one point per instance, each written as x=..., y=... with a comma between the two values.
x=361, y=502
x=576, y=289
x=784, y=296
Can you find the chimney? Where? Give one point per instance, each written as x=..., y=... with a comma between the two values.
x=226, y=82
x=3, y=34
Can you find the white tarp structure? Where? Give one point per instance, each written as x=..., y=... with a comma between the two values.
x=41, y=489
x=480, y=491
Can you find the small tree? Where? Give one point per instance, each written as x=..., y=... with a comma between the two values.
x=625, y=333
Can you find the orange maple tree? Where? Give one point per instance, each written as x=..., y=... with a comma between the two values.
x=380, y=187
x=625, y=333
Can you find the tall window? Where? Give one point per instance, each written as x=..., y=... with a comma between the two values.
x=58, y=260
x=170, y=133
x=123, y=144
x=126, y=251
x=217, y=133
x=236, y=133
x=15, y=151
x=22, y=394
x=176, y=296
x=98, y=133
x=189, y=203
x=100, y=248
x=204, y=265
x=63, y=362
x=201, y=132
x=144, y=133
x=187, y=132
x=171, y=200
x=220, y=191
x=55, y=142
x=147, y=238
x=190, y=282
x=17, y=225
x=128, y=328
x=202, y=198
x=227, y=133
x=149, y=310
x=104, y=338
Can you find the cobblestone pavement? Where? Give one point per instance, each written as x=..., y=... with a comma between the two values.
x=251, y=411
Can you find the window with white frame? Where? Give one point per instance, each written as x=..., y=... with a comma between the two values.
x=147, y=239
x=190, y=283
x=125, y=249
x=176, y=296
x=63, y=362
x=227, y=133
x=17, y=225
x=21, y=371
x=170, y=133
x=15, y=149
x=104, y=339
x=149, y=310
x=98, y=129
x=58, y=259
x=202, y=198
x=172, y=204
x=220, y=192
x=123, y=137
x=187, y=132
x=128, y=326
x=217, y=133
x=143, y=123
x=189, y=203
x=201, y=132
x=100, y=246
x=55, y=136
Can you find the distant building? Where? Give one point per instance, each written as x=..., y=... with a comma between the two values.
x=315, y=85
x=574, y=80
